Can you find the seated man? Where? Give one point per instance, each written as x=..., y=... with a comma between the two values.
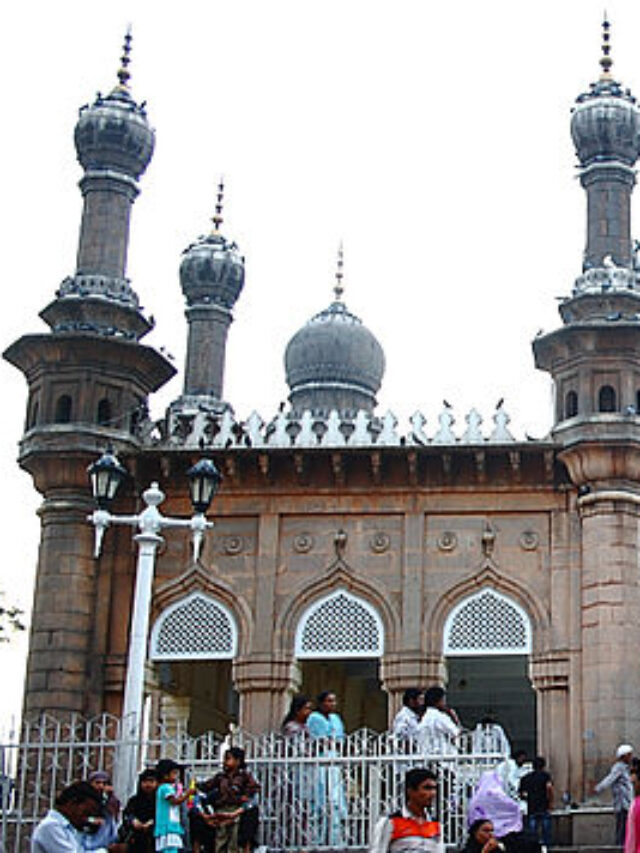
x=60, y=831
x=412, y=830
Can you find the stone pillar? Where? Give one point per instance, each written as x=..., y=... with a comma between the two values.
x=60, y=663
x=265, y=684
x=610, y=616
x=401, y=670
x=104, y=229
x=549, y=675
x=206, y=348
x=608, y=187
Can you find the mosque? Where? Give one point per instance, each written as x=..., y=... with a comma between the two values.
x=346, y=553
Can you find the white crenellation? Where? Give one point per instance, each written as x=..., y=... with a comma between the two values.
x=202, y=428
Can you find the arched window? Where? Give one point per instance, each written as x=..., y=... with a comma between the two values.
x=487, y=623
x=104, y=412
x=607, y=399
x=63, y=410
x=571, y=405
x=340, y=625
x=33, y=415
x=195, y=628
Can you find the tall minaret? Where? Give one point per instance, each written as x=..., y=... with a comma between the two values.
x=594, y=359
x=89, y=379
x=212, y=278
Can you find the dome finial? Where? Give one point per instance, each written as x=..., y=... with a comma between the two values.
x=125, y=59
x=338, y=288
x=605, y=60
x=217, y=217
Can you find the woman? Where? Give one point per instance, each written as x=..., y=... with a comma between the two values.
x=329, y=804
x=295, y=723
x=139, y=815
x=481, y=838
x=632, y=837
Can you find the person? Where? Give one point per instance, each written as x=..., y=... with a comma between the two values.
x=619, y=780
x=168, y=829
x=537, y=789
x=405, y=723
x=295, y=722
x=102, y=830
x=414, y=829
x=489, y=737
x=632, y=836
x=481, y=838
x=234, y=795
x=440, y=725
x=511, y=771
x=139, y=815
x=60, y=831
x=329, y=804
x=489, y=801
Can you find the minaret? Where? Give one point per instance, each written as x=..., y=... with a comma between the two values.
x=212, y=278
x=89, y=379
x=334, y=361
x=594, y=359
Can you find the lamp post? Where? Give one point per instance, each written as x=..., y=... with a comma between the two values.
x=106, y=475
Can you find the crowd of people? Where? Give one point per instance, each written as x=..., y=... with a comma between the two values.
x=509, y=809
x=216, y=816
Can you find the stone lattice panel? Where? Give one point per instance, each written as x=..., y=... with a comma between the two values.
x=340, y=626
x=487, y=623
x=197, y=627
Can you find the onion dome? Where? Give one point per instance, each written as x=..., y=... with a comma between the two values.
x=334, y=361
x=212, y=269
x=114, y=133
x=605, y=125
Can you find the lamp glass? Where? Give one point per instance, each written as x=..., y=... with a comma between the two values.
x=204, y=481
x=106, y=475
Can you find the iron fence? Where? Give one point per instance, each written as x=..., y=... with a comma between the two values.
x=314, y=795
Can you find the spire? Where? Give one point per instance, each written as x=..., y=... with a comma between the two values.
x=605, y=60
x=125, y=59
x=338, y=289
x=217, y=217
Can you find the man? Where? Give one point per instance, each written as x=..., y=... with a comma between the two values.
x=405, y=724
x=60, y=830
x=537, y=789
x=439, y=725
x=511, y=771
x=413, y=830
x=619, y=780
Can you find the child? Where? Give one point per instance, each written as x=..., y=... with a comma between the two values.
x=233, y=792
x=168, y=830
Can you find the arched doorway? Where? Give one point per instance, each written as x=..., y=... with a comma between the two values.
x=339, y=642
x=487, y=644
x=193, y=643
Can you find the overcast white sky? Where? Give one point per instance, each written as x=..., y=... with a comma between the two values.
x=433, y=138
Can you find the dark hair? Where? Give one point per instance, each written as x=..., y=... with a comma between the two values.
x=237, y=753
x=520, y=752
x=149, y=773
x=164, y=767
x=297, y=704
x=322, y=696
x=538, y=762
x=78, y=792
x=416, y=776
x=433, y=695
x=410, y=695
x=475, y=826
x=488, y=720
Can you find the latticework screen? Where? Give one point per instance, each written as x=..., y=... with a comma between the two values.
x=340, y=626
x=487, y=623
x=197, y=627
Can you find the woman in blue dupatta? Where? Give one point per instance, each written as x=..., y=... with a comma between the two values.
x=329, y=806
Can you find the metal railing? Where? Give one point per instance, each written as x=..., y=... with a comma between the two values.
x=314, y=795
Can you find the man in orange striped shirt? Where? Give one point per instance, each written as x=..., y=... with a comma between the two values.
x=412, y=830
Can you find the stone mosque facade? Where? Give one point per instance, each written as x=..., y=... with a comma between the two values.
x=347, y=553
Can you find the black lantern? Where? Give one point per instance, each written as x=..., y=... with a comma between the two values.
x=106, y=475
x=204, y=481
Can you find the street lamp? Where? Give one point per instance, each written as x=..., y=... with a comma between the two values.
x=106, y=475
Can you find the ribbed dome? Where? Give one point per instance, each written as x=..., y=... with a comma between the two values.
x=605, y=125
x=334, y=362
x=212, y=271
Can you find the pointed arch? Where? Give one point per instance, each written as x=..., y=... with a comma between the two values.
x=195, y=628
x=487, y=623
x=339, y=577
x=488, y=577
x=340, y=625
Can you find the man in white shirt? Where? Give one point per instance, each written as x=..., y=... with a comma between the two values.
x=405, y=724
x=440, y=725
x=60, y=830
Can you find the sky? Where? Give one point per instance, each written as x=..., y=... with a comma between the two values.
x=431, y=138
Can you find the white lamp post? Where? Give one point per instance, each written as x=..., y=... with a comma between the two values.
x=106, y=475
